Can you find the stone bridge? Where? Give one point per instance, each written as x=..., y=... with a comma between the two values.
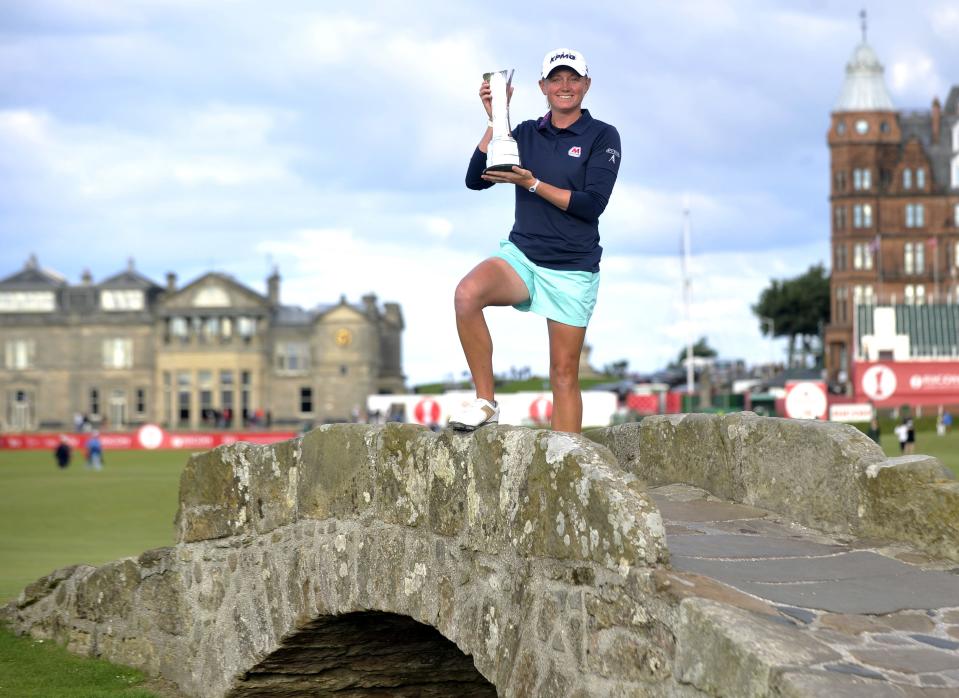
x=393, y=561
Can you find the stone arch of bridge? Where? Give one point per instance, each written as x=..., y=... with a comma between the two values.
x=495, y=540
x=367, y=655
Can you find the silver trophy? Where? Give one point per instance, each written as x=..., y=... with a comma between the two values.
x=502, y=152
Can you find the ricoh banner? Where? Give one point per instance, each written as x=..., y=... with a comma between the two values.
x=524, y=409
x=893, y=383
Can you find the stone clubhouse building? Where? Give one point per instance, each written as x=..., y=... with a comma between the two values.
x=127, y=351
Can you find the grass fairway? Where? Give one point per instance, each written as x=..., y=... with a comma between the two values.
x=32, y=669
x=945, y=448
x=51, y=517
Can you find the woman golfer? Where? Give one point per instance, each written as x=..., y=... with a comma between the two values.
x=550, y=264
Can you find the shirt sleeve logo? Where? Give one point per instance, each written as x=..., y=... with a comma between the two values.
x=575, y=151
x=613, y=154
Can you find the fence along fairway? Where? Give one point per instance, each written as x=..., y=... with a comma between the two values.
x=50, y=518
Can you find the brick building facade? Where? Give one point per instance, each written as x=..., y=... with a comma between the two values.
x=894, y=199
x=127, y=351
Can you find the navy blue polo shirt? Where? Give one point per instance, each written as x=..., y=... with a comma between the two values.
x=583, y=158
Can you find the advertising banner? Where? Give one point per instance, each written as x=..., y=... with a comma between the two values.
x=894, y=383
x=806, y=400
x=850, y=412
x=526, y=408
x=149, y=436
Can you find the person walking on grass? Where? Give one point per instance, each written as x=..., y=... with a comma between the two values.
x=95, y=452
x=62, y=452
x=550, y=263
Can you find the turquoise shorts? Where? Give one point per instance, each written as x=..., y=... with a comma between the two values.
x=564, y=296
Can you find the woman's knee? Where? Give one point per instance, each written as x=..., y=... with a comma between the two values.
x=564, y=375
x=466, y=298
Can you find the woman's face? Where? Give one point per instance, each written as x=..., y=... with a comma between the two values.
x=564, y=89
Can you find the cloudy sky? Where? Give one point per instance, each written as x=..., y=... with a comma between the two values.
x=331, y=140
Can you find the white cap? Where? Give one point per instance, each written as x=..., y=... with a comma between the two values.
x=571, y=58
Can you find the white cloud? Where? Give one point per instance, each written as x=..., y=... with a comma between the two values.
x=639, y=315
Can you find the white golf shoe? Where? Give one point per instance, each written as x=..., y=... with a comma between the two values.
x=474, y=415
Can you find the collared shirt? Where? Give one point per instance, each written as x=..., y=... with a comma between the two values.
x=583, y=158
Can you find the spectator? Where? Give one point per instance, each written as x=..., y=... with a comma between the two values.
x=873, y=432
x=910, y=435
x=62, y=452
x=95, y=452
x=902, y=433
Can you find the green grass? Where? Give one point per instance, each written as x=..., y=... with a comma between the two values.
x=945, y=448
x=51, y=517
x=34, y=669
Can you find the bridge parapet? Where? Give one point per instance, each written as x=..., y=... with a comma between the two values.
x=824, y=475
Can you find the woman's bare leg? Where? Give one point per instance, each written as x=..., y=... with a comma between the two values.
x=565, y=345
x=492, y=282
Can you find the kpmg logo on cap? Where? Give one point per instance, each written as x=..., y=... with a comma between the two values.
x=570, y=56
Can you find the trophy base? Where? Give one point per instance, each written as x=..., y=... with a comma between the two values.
x=505, y=167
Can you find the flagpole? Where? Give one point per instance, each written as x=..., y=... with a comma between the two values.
x=687, y=300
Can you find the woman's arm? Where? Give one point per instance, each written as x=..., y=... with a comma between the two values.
x=602, y=168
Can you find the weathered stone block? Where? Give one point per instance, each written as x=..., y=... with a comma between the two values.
x=45, y=585
x=336, y=478
x=913, y=499
x=214, y=492
x=109, y=592
x=725, y=651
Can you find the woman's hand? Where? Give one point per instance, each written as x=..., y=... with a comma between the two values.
x=519, y=177
x=486, y=96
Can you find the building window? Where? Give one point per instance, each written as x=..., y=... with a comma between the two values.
x=862, y=216
x=907, y=178
x=840, y=180
x=861, y=179
x=955, y=169
x=141, y=401
x=179, y=328
x=246, y=327
x=842, y=303
x=118, y=353
x=293, y=356
x=19, y=354
x=863, y=295
x=211, y=329
x=915, y=215
x=204, y=381
x=840, y=263
x=306, y=400
x=120, y=300
x=840, y=214
x=94, y=404
x=915, y=294
x=27, y=302
x=955, y=216
x=920, y=178
x=184, y=390
x=344, y=370
x=862, y=256
x=914, y=257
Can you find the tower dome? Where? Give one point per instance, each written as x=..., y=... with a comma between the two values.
x=864, y=88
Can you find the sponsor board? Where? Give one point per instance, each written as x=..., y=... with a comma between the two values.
x=806, y=400
x=893, y=383
x=522, y=409
x=851, y=412
x=147, y=437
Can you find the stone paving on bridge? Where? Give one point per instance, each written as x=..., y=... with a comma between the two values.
x=886, y=616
